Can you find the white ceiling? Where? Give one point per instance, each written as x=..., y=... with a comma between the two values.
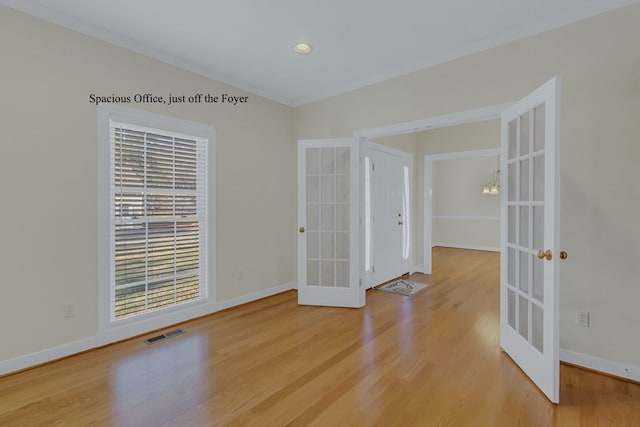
x=249, y=43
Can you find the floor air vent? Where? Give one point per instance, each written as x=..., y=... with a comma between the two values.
x=155, y=339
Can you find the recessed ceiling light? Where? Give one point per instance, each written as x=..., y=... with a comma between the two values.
x=302, y=48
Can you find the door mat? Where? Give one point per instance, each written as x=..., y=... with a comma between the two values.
x=403, y=287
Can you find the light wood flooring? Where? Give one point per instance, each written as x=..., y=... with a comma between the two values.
x=426, y=360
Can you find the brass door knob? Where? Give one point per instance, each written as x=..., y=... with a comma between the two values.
x=563, y=255
x=545, y=254
x=301, y=229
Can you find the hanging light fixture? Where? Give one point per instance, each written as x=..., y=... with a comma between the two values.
x=493, y=187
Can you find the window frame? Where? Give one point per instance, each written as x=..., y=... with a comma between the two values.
x=113, y=330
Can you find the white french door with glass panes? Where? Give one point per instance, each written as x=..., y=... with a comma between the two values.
x=328, y=223
x=529, y=296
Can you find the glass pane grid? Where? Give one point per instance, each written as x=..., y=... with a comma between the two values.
x=539, y=127
x=524, y=313
x=523, y=317
x=511, y=308
x=328, y=203
x=537, y=328
x=538, y=177
x=525, y=134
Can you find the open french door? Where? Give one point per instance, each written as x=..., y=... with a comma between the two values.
x=328, y=221
x=529, y=279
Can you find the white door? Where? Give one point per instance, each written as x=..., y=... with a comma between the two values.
x=328, y=268
x=529, y=279
x=390, y=216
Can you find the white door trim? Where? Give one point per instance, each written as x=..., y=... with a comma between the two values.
x=428, y=193
x=385, y=149
x=434, y=122
x=489, y=112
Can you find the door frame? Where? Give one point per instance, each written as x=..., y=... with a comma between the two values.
x=367, y=146
x=428, y=194
x=490, y=112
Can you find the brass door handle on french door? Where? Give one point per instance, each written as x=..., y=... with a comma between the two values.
x=549, y=256
x=545, y=254
x=301, y=229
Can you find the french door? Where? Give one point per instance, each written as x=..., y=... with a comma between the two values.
x=328, y=221
x=529, y=279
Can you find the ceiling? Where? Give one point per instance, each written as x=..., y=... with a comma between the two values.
x=249, y=43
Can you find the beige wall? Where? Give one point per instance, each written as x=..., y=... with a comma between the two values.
x=407, y=142
x=48, y=254
x=456, y=192
x=598, y=62
x=48, y=170
x=473, y=234
x=454, y=139
x=457, y=187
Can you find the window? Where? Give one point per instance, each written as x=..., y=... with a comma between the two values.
x=158, y=219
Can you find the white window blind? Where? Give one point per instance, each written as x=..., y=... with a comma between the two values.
x=158, y=227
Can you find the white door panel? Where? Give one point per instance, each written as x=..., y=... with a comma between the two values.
x=390, y=216
x=328, y=223
x=529, y=296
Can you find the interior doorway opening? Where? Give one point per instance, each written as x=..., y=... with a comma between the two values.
x=387, y=213
x=467, y=218
x=421, y=248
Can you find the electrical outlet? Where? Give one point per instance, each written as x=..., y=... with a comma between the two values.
x=70, y=309
x=582, y=318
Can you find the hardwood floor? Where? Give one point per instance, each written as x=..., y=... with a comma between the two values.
x=429, y=359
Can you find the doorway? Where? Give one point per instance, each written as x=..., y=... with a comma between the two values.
x=387, y=212
x=475, y=217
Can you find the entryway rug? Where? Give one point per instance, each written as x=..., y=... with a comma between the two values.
x=403, y=287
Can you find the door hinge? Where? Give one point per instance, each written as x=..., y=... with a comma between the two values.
x=373, y=167
x=360, y=282
x=373, y=268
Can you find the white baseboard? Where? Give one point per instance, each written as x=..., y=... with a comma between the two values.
x=601, y=365
x=39, y=357
x=464, y=246
x=223, y=305
x=50, y=354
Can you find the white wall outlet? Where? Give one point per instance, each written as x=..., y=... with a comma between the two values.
x=582, y=319
x=70, y=309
